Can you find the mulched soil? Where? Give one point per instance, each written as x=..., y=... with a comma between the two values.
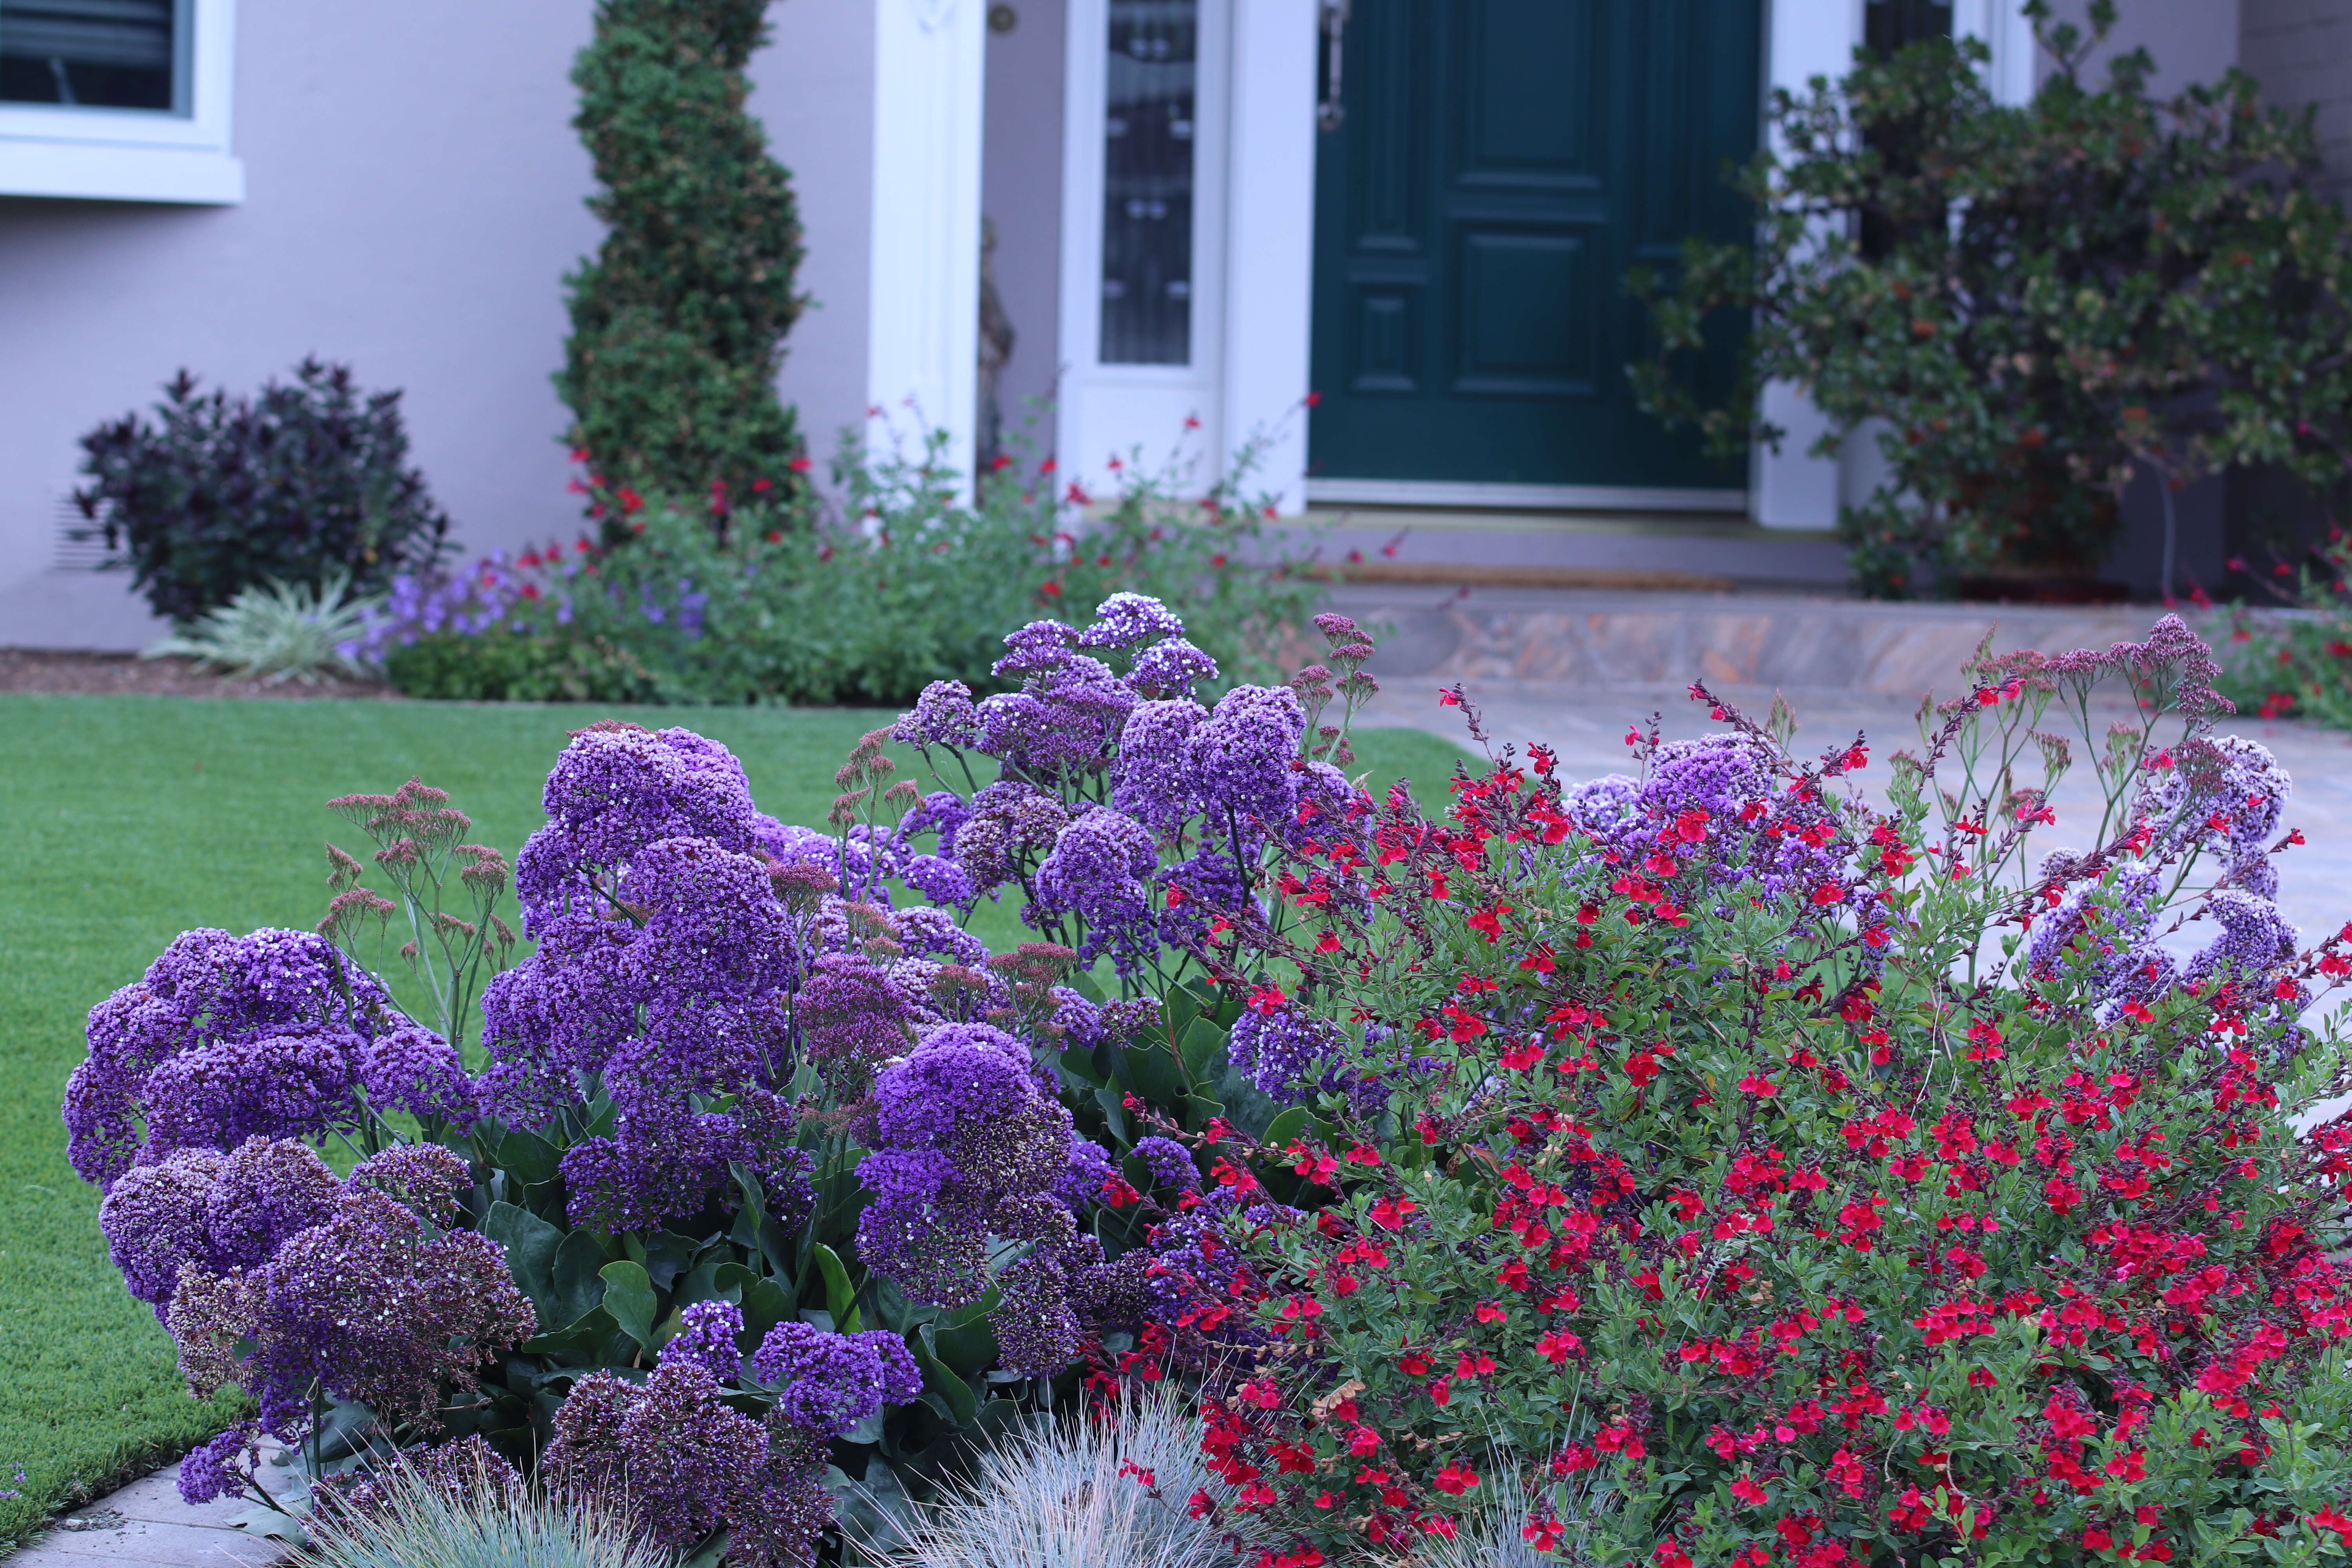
x=125, y=674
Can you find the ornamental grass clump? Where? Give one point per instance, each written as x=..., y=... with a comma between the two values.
x=1789, y=1178
x=472, y=1512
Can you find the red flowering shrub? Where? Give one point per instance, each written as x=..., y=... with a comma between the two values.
x=1757, y=1176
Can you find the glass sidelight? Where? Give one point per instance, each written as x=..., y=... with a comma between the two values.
x=1147, y=182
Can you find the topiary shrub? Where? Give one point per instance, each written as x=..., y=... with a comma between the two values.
x=221, y=494
x=677, y=325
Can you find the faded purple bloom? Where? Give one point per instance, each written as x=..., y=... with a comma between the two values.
x=688, y=1464
x=1037, y=1334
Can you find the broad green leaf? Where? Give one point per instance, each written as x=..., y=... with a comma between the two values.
x=530, y=1158
x=839, y=1299
x=531, y=1245
x=578, y=1285
x=629, y=1298
x=941, y=1380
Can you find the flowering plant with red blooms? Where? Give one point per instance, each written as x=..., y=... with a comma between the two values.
x=1761, y=1174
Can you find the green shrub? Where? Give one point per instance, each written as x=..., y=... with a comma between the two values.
x=2298, y=666
x=506, y=666
x=223, y=493
x=2036, y=301
x=677, y=325
x=907, y=588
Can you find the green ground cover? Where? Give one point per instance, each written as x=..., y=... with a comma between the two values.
x=137, y=817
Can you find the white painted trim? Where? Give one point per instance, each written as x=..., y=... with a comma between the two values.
x=923, y=311
x=1116, y=410
x=1521, y=497
x=2001, y=23
x=1270, y=254
x=136, y=155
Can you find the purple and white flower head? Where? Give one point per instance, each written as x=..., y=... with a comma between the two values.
x=1123, y=620
x=1037, y=646
x=1096, y=871
x=1170, y=667
x=1241, y=755
x=1152, y=780
x=943, y=715
x=707, y=1336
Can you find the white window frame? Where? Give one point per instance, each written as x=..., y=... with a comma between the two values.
x=136, y=155
x=1108, y=411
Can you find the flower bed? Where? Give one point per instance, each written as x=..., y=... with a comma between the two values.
x=1713, y=1164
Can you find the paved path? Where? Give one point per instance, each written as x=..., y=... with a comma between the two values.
x=146, y=1523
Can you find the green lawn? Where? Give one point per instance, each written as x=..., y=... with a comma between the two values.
x=137, y=817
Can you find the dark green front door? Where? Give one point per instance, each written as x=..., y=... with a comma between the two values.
x=1498, y=166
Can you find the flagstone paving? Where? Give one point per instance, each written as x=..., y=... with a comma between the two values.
x=145, y=1524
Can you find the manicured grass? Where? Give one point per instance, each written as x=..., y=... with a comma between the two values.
x=135, y=818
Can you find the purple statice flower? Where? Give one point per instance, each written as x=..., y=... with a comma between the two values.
x=1286, y=1051
x=942, y=813
x=264, y=1192
x=1241, y=755
x=1151, y=781
x=428, y=1179
x=210, y=989
x=943, y=715
x=1171, y=1164
x=1200, y=887
x=2108, y=923
x=1075, y=1018
x=941, y=880
x=220, y=1467
x=154, y=1219
x=297, y=1081
x=1037, y=1333
x=1039, y=645
x=1170, y=669
x=1096, y=871
x=686, y=1463
x=707, y=1337
x=902, y=1379
x=1011, y=824
x=618, y=788
x=665, y=1159
x=967, y=1146
x=373, y=1303
x=826, y=1383
x=923, y=930
x=1090, y=1166
x=2224, y=796
x=409, y=1068
x=2255, y=939
x=1125, y=619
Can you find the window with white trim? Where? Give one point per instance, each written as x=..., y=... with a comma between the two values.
x=117, y=100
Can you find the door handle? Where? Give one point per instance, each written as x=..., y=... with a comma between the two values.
x=1333, y=110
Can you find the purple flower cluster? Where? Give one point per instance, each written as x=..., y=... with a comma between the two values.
x=708, y=1336
x=828, y=1382
x=271, y=1034
x=356, y=1288
x=1170, y=1163
x=1100, y=870
x=969, y=1149
x=689, y=1464
x=2224, y=796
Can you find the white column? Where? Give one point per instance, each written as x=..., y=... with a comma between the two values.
x=923, y=313
x=2003, y=25
x=1270, y=239
x=1791, y=489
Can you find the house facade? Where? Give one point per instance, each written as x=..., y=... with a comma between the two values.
x=1197, y=212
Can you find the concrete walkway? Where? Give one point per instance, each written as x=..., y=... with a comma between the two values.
x=146, y=1523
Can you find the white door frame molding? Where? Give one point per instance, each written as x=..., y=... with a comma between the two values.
x=923, y=310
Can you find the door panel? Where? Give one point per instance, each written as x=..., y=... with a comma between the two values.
x=1500, y=165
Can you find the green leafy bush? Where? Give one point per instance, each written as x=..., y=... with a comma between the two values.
x=2298, y=665
x=677, y=325
x=223, y=494
x=506, y=666
x=2035, y=302
x=904, y=588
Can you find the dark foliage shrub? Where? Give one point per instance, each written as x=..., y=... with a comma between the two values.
x=222, y=493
